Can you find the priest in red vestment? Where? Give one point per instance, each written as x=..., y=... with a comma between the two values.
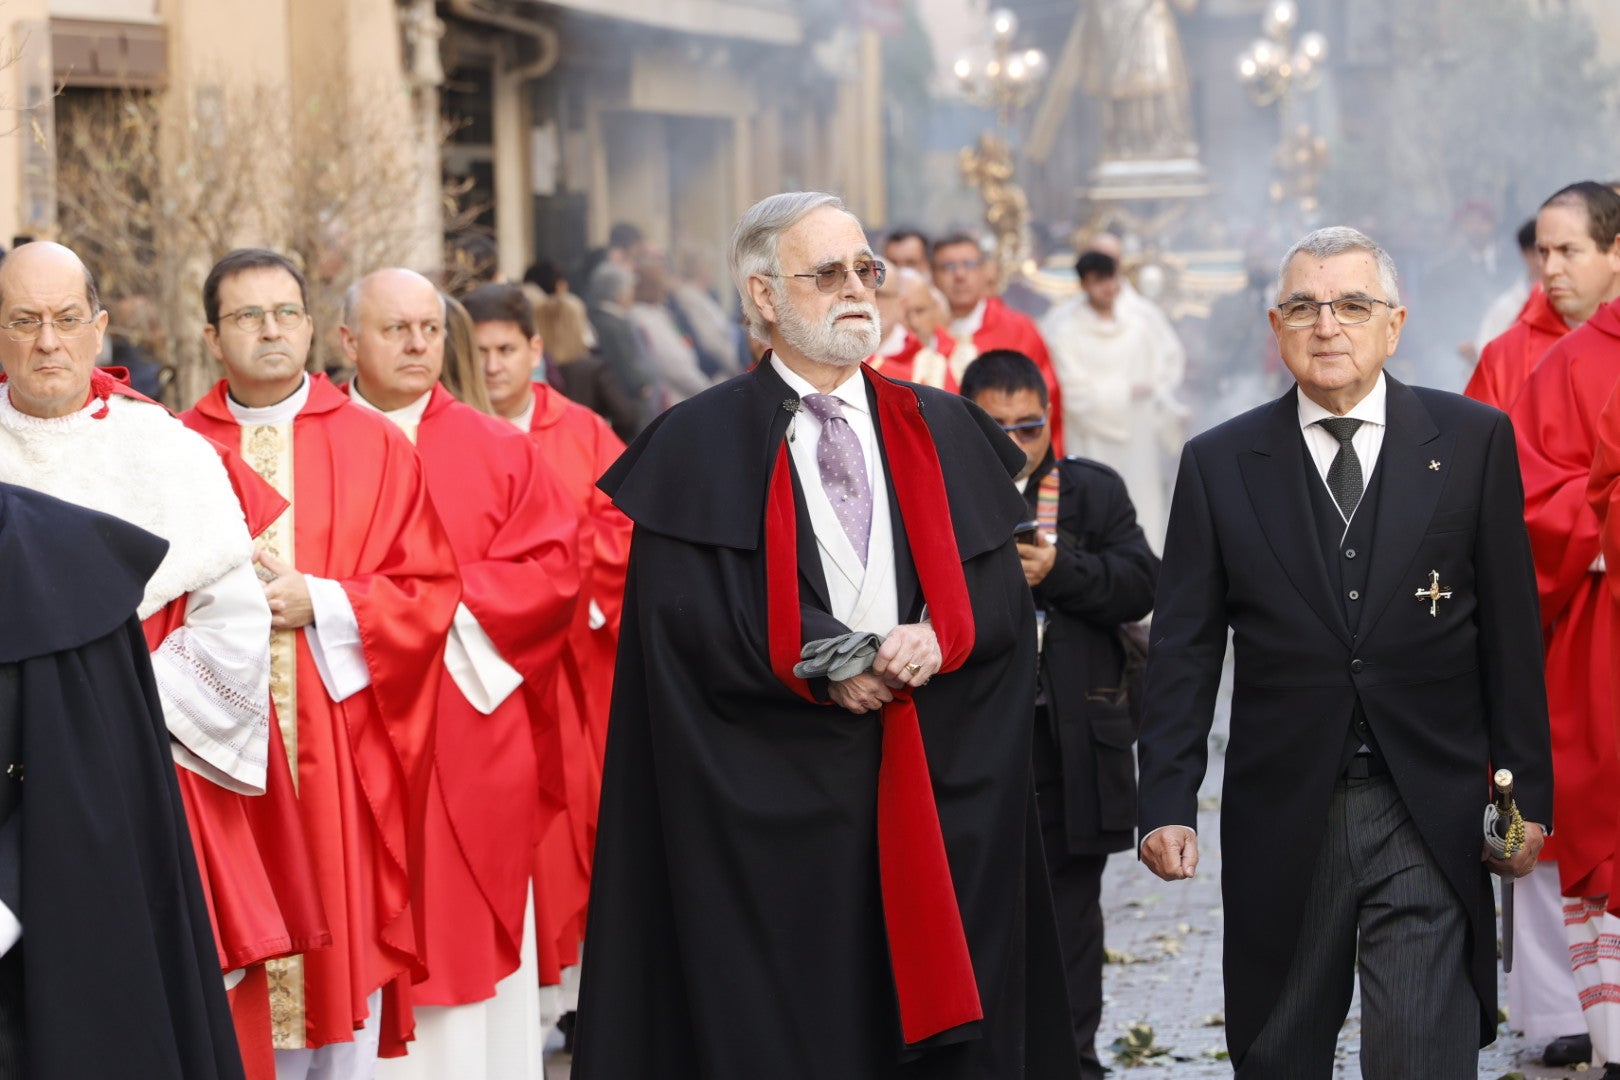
x=962, y=272
x=515, y=534
x=1555, y=417
x=579, y=446
x=1580, y=271
x=74, y=431
x=362, y=586
x=903, y=354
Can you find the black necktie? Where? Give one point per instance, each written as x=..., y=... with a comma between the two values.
x=1344, y=475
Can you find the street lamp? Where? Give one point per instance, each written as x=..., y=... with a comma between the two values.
x=1277, y=70
x=1001, y=78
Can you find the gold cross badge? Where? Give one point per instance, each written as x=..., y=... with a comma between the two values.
x=1434, y=593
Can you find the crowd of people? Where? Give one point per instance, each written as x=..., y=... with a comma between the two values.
x=386, y=714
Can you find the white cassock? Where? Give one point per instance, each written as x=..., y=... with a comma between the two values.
x=138, y=463
x=501, y=1038
x=1119, y=378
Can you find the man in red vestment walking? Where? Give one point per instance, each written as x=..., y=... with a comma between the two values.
x=73, y=431
x=579, y=446
x=962, y=272
x=362, y=586
x=1580, y=271
x=515, y=536
x=1555, y=416
x=903, y=354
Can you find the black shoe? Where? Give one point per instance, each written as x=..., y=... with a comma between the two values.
x=567, y=1022
x=1612, y=1071
x=1572, y=1050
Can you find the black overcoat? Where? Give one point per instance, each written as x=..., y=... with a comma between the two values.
x=1103, y=575
x=121, y=976
x=735, y=919
x=1449, y=697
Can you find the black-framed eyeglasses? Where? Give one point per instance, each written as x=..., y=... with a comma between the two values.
x=954, y=265
x=1028, y=431
x=250, y=320
x=830, y=278
x=1347, y=310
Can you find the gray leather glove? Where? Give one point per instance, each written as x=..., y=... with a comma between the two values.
x=838, y=658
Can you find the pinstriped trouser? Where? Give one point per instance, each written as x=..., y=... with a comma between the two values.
x=1377, y=903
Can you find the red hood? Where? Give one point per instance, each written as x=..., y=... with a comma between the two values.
x=1538, y=314
x=1607, y=319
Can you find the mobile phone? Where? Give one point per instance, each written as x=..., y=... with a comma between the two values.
x=1025, y=532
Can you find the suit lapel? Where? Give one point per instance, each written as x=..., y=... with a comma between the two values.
x=1408, y=493
x=1274, y=475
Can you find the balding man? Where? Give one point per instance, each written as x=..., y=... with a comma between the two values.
x=362, y=586
x=74, y=432
x=497, y=781
x=904, y=354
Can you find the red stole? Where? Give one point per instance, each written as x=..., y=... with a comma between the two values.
x=928, y=950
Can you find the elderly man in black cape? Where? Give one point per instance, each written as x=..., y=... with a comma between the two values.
x=115, y=973
x=813, y=877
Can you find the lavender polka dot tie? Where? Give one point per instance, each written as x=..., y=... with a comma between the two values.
x=843, y=470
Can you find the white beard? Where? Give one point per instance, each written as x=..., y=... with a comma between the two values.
x=830, y=341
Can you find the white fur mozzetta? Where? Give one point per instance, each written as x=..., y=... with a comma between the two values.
x=141, y=464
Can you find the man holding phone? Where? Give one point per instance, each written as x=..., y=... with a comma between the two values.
x=1091, y=570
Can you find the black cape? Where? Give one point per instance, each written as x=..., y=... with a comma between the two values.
x=120, y=972
x=735, y=920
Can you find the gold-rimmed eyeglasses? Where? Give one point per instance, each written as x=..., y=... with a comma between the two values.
x=251, y=319
x=66, y=326
x=831, y=277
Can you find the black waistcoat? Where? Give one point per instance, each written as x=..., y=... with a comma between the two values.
x=1347, y=552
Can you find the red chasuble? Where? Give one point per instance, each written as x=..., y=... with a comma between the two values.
x=579, y=446
x=1004, y=328
x=935, y=369
x=257, y=874
x=515, y=534
x=362, y=518
x=1507, y=360
x=1555, y=418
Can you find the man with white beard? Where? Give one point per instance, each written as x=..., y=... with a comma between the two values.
x=844, y=851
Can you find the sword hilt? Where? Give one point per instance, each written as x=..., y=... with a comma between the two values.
x=1504, y=790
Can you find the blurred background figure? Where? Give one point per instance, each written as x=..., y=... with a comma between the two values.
x=608, y=300
x=135, y=342
x=671, y=353
x=693, y=301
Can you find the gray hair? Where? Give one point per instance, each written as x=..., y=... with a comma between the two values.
x=351, y=307
x=1339, y=240
x=754, y=244
x=608, y=282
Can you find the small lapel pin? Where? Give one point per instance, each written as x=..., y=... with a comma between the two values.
x=791, y=407
x=1434, y=466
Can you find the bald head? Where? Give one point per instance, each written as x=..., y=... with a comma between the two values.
x=54, y=326
x=393, y=334
x=42, y=257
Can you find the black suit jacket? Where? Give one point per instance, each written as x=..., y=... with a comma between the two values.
x=1448, y=697
x=1102, y=575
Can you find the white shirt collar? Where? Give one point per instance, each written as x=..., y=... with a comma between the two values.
x=282, y=412
x=851, y=393
x=525, y=419
x=1369, y=408
x=405, y=415
x=969, y=324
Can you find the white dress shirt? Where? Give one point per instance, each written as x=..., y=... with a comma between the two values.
x=1367, y=441
x=862, y=598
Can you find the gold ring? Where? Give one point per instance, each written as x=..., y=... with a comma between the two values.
x=913, y=667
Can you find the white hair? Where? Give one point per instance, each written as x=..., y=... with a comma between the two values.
x=1338, y=240
x=754, y=244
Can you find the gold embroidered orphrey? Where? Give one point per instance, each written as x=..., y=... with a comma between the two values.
x=1434, y=593
x=268, y=450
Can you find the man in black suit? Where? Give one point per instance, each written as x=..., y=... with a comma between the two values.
x=1364, y=541
x=1090, y=569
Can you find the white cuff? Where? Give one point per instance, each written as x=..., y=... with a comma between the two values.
x=213, y=678
x=483, y=678
x=334, y=640
x=1599, y=565
x=597, y=618
x=10, y=929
